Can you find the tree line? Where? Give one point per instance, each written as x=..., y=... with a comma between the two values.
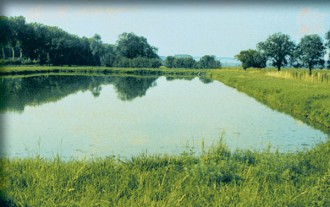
x=280, y=51
x=31, y=43
x=207, y=61
x=35, y=43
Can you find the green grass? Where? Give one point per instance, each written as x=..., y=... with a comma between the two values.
x=218, y=177
x=26, y=70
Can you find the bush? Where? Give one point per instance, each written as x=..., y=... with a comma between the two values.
x=139, y=62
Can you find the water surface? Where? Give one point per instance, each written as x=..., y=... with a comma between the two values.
x=90, y=116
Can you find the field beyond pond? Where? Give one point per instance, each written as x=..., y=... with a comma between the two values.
x=217, y=177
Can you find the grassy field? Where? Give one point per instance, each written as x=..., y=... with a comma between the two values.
x=218, y=177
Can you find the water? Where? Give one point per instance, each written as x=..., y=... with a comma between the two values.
x=90, y=116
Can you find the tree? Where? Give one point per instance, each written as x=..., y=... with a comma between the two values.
x=4, y=34
x=169, y=62
x=327, y=37
x=251, y=58
x=96, y=48
x=278, y=48
x=131, y=46
x=17, y=28
x=310, y=52
x=107, y=56
x=208, y=61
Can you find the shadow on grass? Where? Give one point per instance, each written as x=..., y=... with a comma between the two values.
x=6, y=202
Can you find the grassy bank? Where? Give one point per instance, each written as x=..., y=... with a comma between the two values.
x=218, y=177
x=29, y=70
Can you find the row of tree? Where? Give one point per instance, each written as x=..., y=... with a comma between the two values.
x=26, y=43
x=34, y=43
x=207, y=61
x=281, y=51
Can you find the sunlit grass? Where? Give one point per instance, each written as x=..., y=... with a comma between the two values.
x=318, y=76
x=218, y=177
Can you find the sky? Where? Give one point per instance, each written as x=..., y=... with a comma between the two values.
x=220, y=29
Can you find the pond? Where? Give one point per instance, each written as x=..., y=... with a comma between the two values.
x=99, y=116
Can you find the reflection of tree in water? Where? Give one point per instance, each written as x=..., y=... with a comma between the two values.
x=16, y=93
x=205, y=80
x=179, y=78
x=129, y=88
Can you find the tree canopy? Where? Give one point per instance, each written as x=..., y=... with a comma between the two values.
x=131, y=46
x=251, y=58
x=327, y=37
x=34, y=43
x=278, y=48
x=208, y=61
x=310, y=52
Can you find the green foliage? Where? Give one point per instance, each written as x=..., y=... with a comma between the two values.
x=310, y=52
x=4, y=34
x=139, y=62
x=251, y=58
x=38, y=43
x=278, y=48
x=179, y=62
x=208, y=62
x=327, y=37
x=169, y=62
x=132, y=46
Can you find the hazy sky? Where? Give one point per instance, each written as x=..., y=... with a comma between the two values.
x=197, y=29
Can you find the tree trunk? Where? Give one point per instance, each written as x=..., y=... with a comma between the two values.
x=48, y=58
x=13, y=53
x=310, y=71
x=3, y=53
x=278, y=68
x=20, y=53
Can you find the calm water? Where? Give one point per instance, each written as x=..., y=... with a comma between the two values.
x=84, y=116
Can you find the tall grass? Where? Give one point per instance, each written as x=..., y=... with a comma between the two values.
x=218, y=177
x=318, y=76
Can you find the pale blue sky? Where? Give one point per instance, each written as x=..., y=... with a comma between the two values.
x=197, y=29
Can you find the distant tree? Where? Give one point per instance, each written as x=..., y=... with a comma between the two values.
x=131, y=46
x=310, y=52
x=208, y=61
x=251, y=58
x=107, y=56
x=189, y=62
x=18, y=33
x=4, y=34
x=169, y=62
x=278, y=48
x=327, y=37
x=96, y=48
